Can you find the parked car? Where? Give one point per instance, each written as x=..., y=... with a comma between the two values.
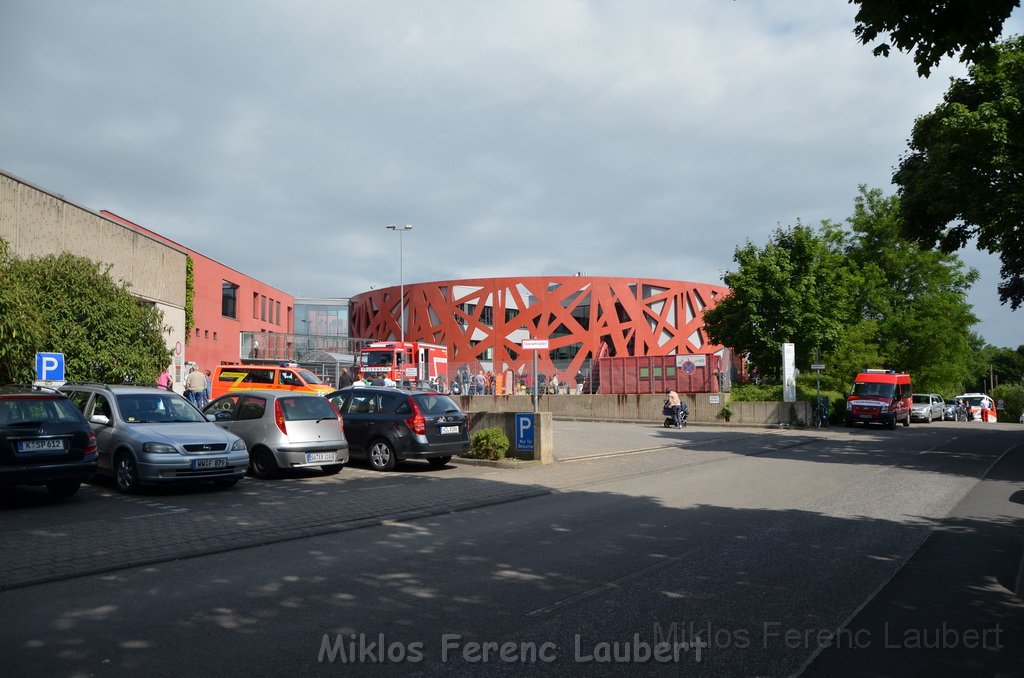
x=283, y=430
x=44, y=440
x=385, y=425
x=926, y=407
x=147, y=435
x=954, y=411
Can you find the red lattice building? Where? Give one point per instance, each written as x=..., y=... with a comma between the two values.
x=483, y=321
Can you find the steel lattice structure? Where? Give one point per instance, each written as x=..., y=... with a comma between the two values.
x=483, y=320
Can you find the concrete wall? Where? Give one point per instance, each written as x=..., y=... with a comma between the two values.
x=36, y=223
x=642, y=407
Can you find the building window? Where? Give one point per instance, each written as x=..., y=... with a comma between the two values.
x=255, y=305
x=263, y=308
x=277, y=312
x=228, y=299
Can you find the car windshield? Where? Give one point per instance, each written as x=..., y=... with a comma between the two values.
x=308, y=376
x=973, y=401
x=922, y=399
x=148, y=408
x=308, y=408
x=436, y=403
x=874, y=388
x=25, y=410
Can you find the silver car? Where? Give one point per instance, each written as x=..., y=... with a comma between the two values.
x=283, y=429
x=926, y=407
x=148, y=435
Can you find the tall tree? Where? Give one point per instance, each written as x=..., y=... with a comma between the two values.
x=790, y=291
x=104, y=332
x=964, y=174
x=916, y=298
x=863, y=295
x=933, y=30
x=21, y=329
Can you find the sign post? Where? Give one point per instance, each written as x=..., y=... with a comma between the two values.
x=535, y=345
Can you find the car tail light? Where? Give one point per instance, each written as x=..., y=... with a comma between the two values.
x=416, y=423
x=337, y=412
x=90, y=444
x=279, y=417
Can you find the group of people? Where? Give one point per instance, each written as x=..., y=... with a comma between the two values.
x=197, y=385
x=511, y=383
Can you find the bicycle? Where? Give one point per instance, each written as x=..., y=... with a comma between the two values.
x=821, y=414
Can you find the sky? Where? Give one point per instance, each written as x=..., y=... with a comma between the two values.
x=649, y=138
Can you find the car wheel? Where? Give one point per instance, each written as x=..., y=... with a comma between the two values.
x=331, y=470
x=126, y=473
x=63, y=488
x=262, y=464
x=382, y=456
x=906, y=422
x=225, y=484
x=438, y=462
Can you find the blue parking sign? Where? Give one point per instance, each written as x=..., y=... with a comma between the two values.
x=524, y=431
x=50, y=367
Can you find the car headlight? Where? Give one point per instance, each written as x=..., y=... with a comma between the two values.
x=159, y=448
x=238, y=445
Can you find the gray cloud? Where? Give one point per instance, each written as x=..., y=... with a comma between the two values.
x=648, y=138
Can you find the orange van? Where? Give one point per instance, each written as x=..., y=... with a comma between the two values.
x=879, y=396
x=285, y=377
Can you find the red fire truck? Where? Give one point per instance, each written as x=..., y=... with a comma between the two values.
x=411, y=361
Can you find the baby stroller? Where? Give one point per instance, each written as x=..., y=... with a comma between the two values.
x=674, y=419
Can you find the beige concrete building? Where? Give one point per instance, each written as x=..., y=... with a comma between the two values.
x=36, y=222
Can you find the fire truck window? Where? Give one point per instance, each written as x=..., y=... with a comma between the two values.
x=399, y=358
x=381, y=359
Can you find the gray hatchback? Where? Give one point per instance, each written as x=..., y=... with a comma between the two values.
x=283, y=430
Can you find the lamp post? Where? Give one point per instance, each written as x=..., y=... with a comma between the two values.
x=401, y=272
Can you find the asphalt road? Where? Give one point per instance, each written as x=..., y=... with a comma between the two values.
x=706, y=551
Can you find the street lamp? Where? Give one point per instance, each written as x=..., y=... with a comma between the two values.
x=401, y=272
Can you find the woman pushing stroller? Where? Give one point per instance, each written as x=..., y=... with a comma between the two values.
x=675, y=411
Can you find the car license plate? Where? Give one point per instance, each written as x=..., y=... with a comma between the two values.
x=218, y=462
x=449, y=429
x=313, y=457
x=51, y=445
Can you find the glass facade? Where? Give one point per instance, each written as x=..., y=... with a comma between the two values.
x=324, y=317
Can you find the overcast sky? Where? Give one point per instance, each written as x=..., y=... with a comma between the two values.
x=643, y=138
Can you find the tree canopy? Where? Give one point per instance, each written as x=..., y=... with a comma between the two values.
x=933, y=30
x=861, y=294
x=963, y=177
x=71, y=305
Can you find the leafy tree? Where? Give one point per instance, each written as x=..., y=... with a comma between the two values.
x=864, y=295
x=964, y=174
x=1013, y=401
x=932, y=30
x=917, y=299
x=103, y=331
x=792, y=290
x=21, y=329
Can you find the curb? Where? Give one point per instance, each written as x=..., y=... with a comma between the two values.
x=495, y=463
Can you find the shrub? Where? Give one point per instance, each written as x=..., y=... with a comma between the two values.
x=488, y=443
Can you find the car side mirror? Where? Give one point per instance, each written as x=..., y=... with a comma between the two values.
x=101, y=419
x=218, y=417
